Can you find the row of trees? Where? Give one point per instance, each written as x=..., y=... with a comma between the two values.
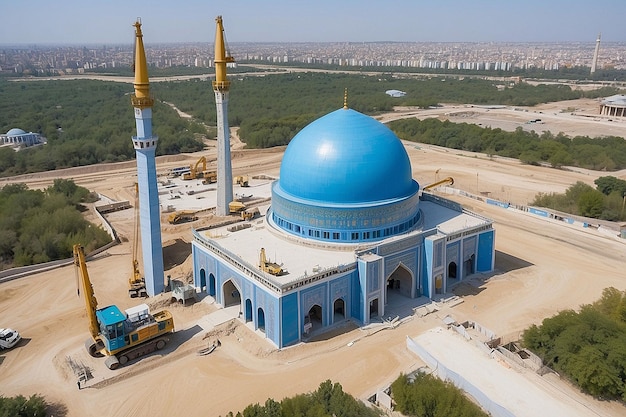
x=605, y=202
x=605, y=153
x=588, y=346
x=421, y=396
x=329, y=400
x=40, y=226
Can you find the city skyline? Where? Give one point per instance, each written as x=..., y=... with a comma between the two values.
x=83, y=23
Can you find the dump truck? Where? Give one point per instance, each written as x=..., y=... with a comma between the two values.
x=120, y=336
x=236, y=207
x=242, y=180
x=209, y=177
x=182, y=217
x=249, y=214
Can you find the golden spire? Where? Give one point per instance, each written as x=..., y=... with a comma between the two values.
x=345, y=98
x=141, y=98
x=222, y=57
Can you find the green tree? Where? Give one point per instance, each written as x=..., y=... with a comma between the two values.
x=20, y=406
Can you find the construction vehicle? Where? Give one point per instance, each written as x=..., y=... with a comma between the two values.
x=9, y=338
x=182, y=217
x=249, y=214
x=267, y=266
x=236, y=207
x=209, y=177
x=120, y=336
x=242, y=180
x=448, y=180
x=194, y=172
x=136, y=281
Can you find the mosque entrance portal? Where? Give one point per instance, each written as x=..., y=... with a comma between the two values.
x=313, y=319
x=400, y=282
x=231, y=295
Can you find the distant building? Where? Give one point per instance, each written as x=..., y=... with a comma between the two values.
x=18, y=139
x=614, y=106
x=395, y=93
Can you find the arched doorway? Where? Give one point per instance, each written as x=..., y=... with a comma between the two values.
x=452, y=270
x=339, y=310
x=231, y=295
x=399, y=283
x=248, y=316
x=261, y=319
x=202, y=280
x=313, y=319
x=373, y=308
x=212, y=286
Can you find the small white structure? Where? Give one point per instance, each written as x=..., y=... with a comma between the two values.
x=18, y=139
x=395, y=93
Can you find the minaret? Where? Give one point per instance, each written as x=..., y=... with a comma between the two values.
x=145, y=147
x=221, y=86
x=594, y=63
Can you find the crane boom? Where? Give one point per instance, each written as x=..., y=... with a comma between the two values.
x=222, y=57
x=91, y=304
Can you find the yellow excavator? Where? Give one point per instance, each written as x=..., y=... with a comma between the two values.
x=119, y=335
x=447, y=180
x=136, y=281
x=194, y=172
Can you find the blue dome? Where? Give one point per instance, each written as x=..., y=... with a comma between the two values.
x=15, y=132
x=346, y=157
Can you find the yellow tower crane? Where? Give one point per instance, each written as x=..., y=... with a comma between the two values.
x=136, y=282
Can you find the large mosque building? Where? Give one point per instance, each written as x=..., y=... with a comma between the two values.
x=348, y=231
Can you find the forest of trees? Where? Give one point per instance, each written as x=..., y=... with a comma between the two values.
x=40, y=226
x=423, y=395
x=605, y=202
x=605, y=153
x=85, y=122
x=88, y=122
x=588, y=346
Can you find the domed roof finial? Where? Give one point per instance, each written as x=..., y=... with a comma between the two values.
x=345, y=98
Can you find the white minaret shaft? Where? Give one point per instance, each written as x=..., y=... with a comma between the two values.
x=221, y=86
x=594, y=63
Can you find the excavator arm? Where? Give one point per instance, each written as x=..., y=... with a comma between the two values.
x=91, y=304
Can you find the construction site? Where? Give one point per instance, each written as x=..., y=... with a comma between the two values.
x=262, y=280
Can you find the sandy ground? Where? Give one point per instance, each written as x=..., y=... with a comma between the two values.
x=541, y=268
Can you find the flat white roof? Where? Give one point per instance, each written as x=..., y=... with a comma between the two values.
x=302, y=258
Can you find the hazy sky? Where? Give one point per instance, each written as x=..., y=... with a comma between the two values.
x=109, y=21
